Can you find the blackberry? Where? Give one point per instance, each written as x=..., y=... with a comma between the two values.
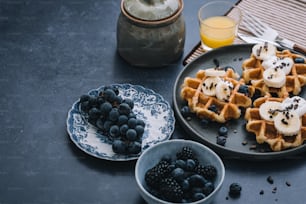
x=171, y=190
x=154, y=175
x=185, y=153
x=208, y=172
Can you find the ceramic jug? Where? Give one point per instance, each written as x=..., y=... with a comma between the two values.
x=151, y=33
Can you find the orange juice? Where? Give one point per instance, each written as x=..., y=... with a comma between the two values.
x=217, y=31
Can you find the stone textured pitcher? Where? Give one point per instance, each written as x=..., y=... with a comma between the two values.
x=151, y=33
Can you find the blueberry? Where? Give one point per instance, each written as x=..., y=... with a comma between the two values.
x=100, y=100
x=118, y=99
x=85, y=106
x=235, y=190
x=113, y=88
x=198, y=196
x=213, y=108
x=132, y=115
x=122, y=119
x=123, y=128
x=105, y=108
x=256, y=95
x=222, y=131
x=84, y=98
x=299, y=60
x=180, y=163
x=92, y=101
x=132, y=122
x=109, y=95
x=131, y=135
x=128, y=101
x=114, y=115
x=124, y=108
x=141, y=122
x=185, y=111
x=221, y=140
x=197, y=180
x=197, y=190
x=190, y=164
x=178, y=173
x=107, y=125
x=139, y=129
x=205, y=122
x=208, y=188
x=119, y=146
x=114, y=131
x=244, y=89
x=94, y=113
x=185, y=185
x=134, y=147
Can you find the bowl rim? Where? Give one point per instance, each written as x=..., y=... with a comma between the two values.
x=219, y=160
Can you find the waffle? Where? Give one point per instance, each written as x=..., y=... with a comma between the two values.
x=253, y=74
x=266, y=132
x=200, y=103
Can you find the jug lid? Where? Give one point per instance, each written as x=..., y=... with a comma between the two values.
x=151, y=10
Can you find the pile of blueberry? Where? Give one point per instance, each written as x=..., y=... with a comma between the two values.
x=114, y=117
x=181, y=179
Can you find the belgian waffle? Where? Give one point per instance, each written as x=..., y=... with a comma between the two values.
x=200, y=103
x=266, y=132
x=253, y=74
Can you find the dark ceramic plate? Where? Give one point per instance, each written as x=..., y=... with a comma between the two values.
x=240, y=143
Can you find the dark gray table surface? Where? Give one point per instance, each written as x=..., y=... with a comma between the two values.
x=51, y=52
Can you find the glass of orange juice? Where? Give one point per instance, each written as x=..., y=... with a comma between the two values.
x=216, y=29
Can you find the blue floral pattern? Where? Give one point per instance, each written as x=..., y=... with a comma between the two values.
x=148, y=106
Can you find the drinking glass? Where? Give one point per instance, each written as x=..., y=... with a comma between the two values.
x=218, y=26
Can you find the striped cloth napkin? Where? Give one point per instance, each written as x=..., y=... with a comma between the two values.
x=288, y=17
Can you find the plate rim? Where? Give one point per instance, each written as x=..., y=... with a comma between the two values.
x=126, y=158
x=218, y=148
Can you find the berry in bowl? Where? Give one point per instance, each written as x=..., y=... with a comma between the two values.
x=179, y=171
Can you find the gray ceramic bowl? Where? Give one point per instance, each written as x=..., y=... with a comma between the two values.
x=153, y=155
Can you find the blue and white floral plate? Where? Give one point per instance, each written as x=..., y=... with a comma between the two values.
x=148, y=106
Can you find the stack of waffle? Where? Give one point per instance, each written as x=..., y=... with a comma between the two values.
x=277, y=117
